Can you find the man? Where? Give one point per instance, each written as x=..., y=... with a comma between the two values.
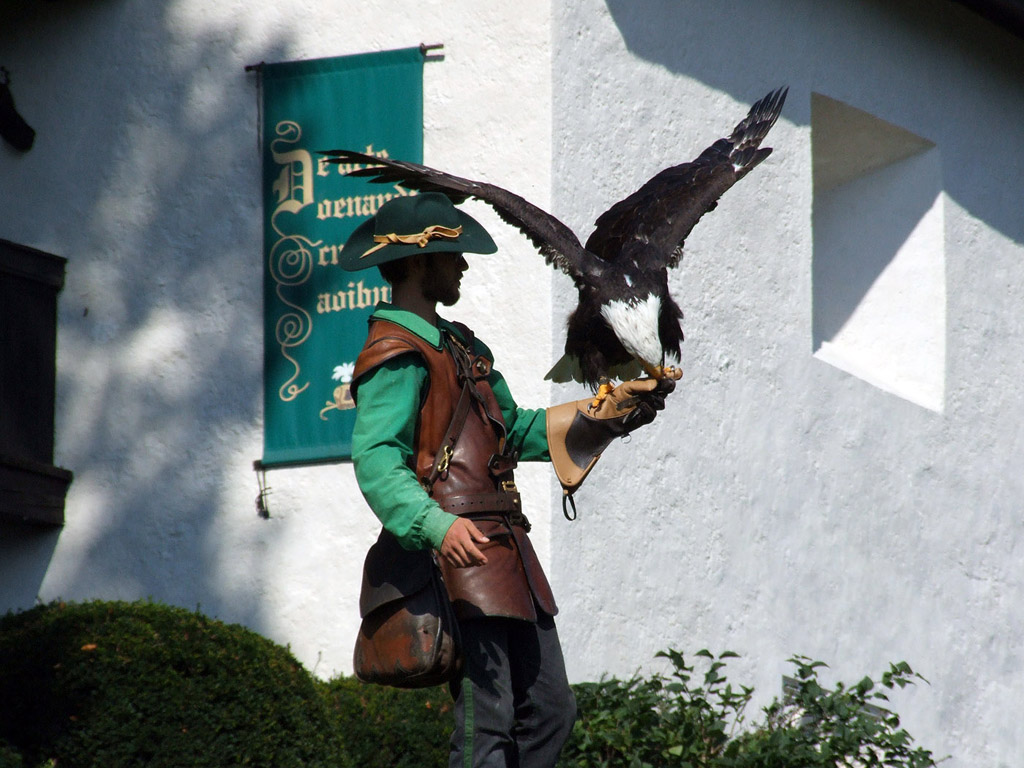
x=436, y=440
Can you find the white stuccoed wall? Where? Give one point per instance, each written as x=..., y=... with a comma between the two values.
x=780, y=505
x=145, y=175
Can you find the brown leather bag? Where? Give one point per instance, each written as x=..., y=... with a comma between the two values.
x=408, y=637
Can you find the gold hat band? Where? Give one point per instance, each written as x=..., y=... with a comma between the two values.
x=420, y=238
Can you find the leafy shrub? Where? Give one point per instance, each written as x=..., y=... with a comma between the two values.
x=654, y=721
x=679, y=721
x=819, y=728
x=9, y=757
x=141, y=684
x=389, y=727
x=137, y=684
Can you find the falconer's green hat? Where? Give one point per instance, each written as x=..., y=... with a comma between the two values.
x=404, y=226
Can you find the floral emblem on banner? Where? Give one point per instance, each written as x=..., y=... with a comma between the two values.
x=343, y=392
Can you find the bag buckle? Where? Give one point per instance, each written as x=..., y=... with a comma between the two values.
x=446, y=458
x=509, y=486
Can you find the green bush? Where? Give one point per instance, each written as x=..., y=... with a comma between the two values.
x=137, y=684
x=389, y=727
x=820, y=728
x=9, y=757
x=141, y=684
x=689, y=722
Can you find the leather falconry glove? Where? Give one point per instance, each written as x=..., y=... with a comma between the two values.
x=578, y=432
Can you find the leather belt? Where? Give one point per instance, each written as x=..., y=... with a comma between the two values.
x=470, y=503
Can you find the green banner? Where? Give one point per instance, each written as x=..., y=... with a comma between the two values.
x=314, y=312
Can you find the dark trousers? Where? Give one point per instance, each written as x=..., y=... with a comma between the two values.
x=513, y=704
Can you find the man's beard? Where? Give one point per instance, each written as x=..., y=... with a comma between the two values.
x=444, y=292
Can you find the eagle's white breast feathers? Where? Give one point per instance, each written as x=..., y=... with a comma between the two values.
x=635, y=322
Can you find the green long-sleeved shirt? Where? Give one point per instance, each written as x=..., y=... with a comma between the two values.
x=388, y=406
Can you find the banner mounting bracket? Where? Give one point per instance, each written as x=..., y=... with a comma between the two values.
x=427, y=48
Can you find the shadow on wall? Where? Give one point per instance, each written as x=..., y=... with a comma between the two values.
x=873, y=185
x=809, y=45
x=146, y=178
x=847, y=264
x=25, y=553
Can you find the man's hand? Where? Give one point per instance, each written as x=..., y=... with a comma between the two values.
x=459, y=547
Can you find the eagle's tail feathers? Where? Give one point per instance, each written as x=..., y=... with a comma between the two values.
x=565, y=370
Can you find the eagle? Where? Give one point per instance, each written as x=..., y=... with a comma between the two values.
x=626, y=322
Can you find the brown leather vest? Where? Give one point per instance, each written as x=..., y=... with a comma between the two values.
x=477, y=481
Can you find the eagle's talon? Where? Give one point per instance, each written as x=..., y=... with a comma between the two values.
x=663, y=372
x=671, y=372
x=603, y=391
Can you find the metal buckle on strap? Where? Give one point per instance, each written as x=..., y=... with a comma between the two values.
x=509, y=486
x=446, y=458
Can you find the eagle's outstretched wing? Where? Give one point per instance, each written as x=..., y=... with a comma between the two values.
x=663, y=211
x=555, y=241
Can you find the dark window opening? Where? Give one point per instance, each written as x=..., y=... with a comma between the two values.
x=32, y=489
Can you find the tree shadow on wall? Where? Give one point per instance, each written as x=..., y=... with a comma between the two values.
x=160, y=327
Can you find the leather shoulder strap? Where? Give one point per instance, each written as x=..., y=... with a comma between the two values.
x=386, y=341
x=447, y=448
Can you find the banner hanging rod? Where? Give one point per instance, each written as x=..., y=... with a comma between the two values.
x=426, y=49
